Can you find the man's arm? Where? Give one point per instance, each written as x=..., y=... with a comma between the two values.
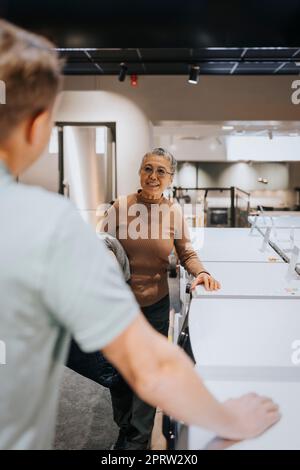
x=163, y=375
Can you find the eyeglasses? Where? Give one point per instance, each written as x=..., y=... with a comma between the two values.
x=160, y=171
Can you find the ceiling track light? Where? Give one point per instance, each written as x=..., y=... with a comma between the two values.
x=123, y=72
x=194, y=74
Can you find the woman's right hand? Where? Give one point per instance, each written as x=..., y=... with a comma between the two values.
x=251, y=415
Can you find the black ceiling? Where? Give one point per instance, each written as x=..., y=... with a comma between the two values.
x=160, y=23
x=166, y=36
x=212, y=61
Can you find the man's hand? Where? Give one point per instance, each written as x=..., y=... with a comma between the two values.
x=209, y=282
x=253, y=414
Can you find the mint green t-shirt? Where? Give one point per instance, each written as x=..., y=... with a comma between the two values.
x=56, y=279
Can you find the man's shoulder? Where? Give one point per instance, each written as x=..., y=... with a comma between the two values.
x=39, y=202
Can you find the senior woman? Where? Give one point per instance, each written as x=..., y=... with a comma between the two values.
x=149, y=233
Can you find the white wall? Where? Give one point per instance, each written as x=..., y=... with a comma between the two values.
x=202, y=149
x=233, y=148
x=157, y=98
x=215, y=98
x=132, y=128
x=253, y=148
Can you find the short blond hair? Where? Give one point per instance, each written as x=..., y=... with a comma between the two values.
x=31, y=72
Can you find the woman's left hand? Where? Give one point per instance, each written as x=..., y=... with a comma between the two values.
x=209, y=282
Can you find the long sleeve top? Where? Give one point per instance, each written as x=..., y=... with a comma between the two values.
x=149, y=230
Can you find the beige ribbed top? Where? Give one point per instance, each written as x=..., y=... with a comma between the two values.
x=148, y=252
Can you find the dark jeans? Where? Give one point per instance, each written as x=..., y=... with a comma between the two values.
x=134, y=417
x=93, y=365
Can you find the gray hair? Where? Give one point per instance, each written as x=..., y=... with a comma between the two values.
x=160, y=152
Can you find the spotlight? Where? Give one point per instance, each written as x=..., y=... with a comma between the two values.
x=263, y=180
x=123, y=72
x=194, y=74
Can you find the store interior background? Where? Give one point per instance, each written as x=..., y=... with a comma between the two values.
x=241, y=131
x=164, y=109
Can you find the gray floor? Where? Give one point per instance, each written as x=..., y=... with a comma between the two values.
x=85, y=416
